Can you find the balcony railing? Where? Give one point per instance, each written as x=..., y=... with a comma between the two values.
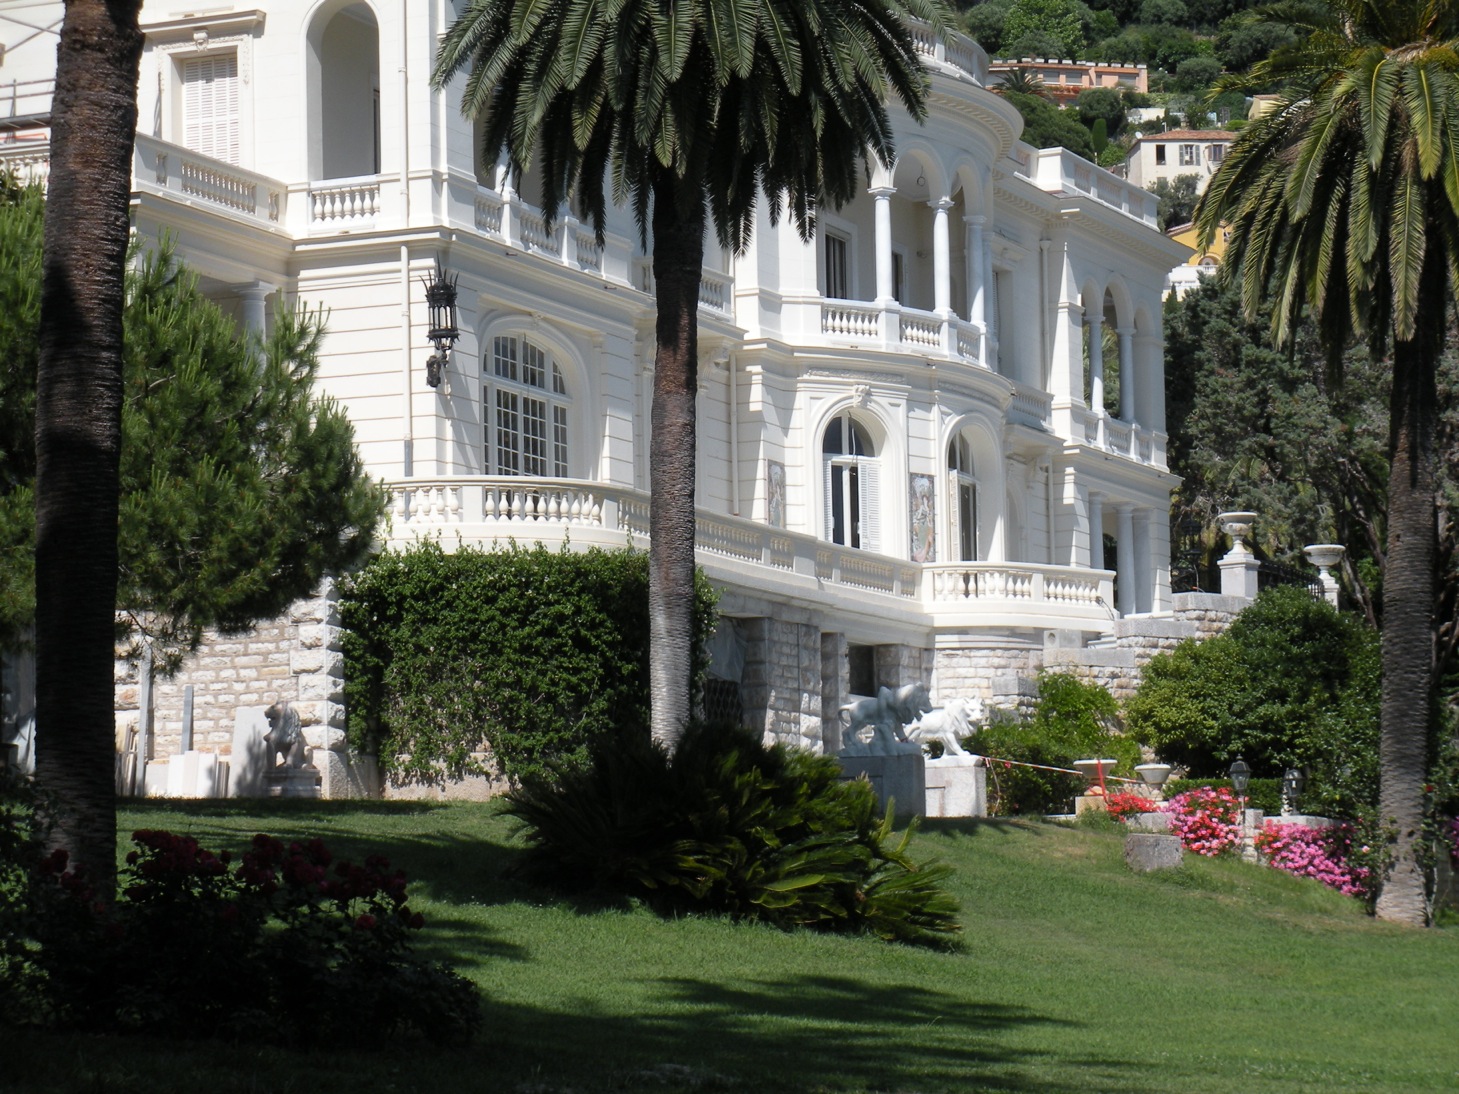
x=486, y=509
x=28, y=160
x=187, y=176
x=961, y=52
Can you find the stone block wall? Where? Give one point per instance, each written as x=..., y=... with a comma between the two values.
x=295, y=658
x=781, y=686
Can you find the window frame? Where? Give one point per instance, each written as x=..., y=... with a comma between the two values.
x=510, y=400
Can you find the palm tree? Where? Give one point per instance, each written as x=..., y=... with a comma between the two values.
x=1345, y=199
x=1022, y=81
x=79, y=423
x=687, y=104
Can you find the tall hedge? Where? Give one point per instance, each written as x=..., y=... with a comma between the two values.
x=1291, y=683
x=527, y=653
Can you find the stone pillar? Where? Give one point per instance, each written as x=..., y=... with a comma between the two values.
x=977, y=288
x=1094, y=333
x=884, y=286
x=1125, y=553
x=1127, y=374
x=941, y=256
x=255, y=306
x=1239, y=567
x=1096, y=530
x=1144, y=571
x=835, y=688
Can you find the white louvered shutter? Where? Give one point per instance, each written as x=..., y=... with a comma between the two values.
x=210, y=106
x=869, y=484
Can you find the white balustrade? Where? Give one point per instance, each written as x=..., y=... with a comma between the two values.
x=590, y=252
x=209, y=182
x=845, y=319
x=344, y=202
x=489, y=213
x=533, y=227
x=921, y=329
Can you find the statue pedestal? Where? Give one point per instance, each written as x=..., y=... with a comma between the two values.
x=292, y=782
x=900, y=778
x=957, y=786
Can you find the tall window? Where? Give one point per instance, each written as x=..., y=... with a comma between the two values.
x=964, y=498
x=1160, y=155
x=838, y=266
x=526, y=404
x=852, y=484
x=1190, y=155
x=210, y=106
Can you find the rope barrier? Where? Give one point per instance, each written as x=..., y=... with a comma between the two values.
x=1061, y=770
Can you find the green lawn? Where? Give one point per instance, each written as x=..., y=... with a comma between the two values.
x=1075, y=975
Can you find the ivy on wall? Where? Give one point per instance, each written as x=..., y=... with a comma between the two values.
x=525, y=655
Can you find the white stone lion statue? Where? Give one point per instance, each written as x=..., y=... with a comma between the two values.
x=885, y=715
x=948, y=724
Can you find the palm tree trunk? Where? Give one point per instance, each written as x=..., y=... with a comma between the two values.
x=78, y=424
x=678, y=243
x=1409, y=589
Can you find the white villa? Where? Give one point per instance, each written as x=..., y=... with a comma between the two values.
x=932, y=441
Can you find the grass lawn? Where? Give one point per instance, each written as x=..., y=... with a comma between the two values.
x=1075, y=975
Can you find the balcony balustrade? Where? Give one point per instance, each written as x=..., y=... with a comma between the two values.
x=483, y=510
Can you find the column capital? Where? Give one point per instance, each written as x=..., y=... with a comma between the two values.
x=943, y=202
x=881, y=191
x=1093, y=318
x=975, y=220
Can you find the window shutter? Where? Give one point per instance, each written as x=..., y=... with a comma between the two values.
x=210, y=106
x=827, y=498
x=869, y=483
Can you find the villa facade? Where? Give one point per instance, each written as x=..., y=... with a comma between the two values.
x=931, y=440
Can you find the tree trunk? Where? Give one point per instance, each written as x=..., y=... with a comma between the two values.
x=78, y=424
x=678, y=260
x=1409, y=588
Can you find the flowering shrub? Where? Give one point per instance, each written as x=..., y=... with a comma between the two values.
x=1206, y=820
x=1124, y=803
x=286, y=945
x=1320, y=853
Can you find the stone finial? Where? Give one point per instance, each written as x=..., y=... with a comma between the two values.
x=1325, y=556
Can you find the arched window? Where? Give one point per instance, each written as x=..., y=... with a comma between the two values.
x=526, y=403
x=964, y=489
x=852, y=485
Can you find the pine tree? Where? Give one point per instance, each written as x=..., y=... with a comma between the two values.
x=240, y=487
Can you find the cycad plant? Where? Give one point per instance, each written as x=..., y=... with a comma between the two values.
x=730, y=826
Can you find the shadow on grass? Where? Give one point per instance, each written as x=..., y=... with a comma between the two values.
x=808, y=1033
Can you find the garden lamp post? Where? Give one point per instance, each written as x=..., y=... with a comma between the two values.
x=1292, y=783
x=1240, y=773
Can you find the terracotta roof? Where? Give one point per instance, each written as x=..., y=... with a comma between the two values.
x=1190, y=135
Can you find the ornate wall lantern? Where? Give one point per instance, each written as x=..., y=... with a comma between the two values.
x=443, y=332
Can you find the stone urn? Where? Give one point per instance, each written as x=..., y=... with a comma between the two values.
x=1237, y=525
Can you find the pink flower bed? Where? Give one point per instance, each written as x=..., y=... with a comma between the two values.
x=1206, y=820
x=1320, y=853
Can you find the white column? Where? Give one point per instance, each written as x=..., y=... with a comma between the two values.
x=255, y=314
x=977, y=295
x=990, y=315
x=1127, y=374
x=1125, y=558
x=883, y=196
x=1096, y=530
x=1144, y=554
x=1094, y=333
x=941, y=256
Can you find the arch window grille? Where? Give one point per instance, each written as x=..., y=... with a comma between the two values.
x=852, y=485
x=527, y=410
x=964, y=508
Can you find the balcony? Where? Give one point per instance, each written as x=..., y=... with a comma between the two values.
x=749, y=555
